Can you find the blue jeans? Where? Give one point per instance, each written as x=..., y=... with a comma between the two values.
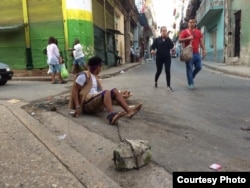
x=54, y=68
x=190, y=71
x=79, y=61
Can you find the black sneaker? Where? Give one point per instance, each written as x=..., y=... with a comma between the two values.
x=169, y=88
x=155, y=84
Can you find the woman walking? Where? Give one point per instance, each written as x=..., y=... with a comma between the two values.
x=163, y=45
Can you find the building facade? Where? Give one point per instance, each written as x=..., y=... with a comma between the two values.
x=237, y=36
x=102, y=26
x=221, y=22
x=210, y=19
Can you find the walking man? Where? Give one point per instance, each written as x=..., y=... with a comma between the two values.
x=194, y=36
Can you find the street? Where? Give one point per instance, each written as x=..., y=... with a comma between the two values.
x=31, y=90
x=188, y=130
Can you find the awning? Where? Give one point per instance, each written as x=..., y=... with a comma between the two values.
x=11, y=27
x=114, y=31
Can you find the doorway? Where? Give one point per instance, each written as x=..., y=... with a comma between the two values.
x=237, y=16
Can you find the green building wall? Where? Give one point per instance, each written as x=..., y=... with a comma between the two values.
x=82, y=30
x=22, y=44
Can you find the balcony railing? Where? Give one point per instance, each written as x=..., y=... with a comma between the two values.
x=208, y=5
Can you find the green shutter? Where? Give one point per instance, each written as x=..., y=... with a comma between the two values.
x=12, y=40
x=45, y=20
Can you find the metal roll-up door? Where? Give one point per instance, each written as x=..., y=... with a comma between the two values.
x=99, y=25
x=12, y=34
x=103, y=19
x=45, y=20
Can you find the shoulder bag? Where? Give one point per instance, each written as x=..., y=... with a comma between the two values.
x=187, y=52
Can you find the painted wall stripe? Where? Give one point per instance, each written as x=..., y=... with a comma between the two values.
x=79, y=15
x=65, y=24
x=79, y=5
x=26, y=23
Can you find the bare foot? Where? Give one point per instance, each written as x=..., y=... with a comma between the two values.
x=134, y=110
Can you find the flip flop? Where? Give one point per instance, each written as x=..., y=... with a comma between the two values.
x=136, y=109
x=115, y=116
x=62, y=82
x=75, y=115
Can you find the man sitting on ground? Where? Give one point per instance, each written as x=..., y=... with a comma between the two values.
x=87, y=95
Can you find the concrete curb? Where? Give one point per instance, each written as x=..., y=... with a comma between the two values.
x=86, y=173
x=227, y=70
x=116, y=70
x=106, y=73
x=75, y=163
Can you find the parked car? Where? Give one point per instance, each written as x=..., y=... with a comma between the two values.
x=5, y=73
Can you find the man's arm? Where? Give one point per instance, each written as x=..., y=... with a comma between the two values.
x=204, y=53
x=76, y=100
x=183, y=38
x=80, y=82
x=76, y=91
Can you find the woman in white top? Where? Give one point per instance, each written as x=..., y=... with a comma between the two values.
x=78, y=57
x=53, y=57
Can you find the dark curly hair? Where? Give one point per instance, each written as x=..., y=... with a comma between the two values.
x=51, y=40
x=94, y=62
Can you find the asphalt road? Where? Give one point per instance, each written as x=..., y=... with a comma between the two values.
x=188, y=130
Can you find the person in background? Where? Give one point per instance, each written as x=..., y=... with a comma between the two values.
x=87, y=95
x=194, y=36
x=118, y=59
x=132, y=54
x=61, y=61
x=53, y=60
x=137, y=52
x=163, y=45
x=78, y=55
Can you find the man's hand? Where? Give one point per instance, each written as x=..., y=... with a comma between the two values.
x=190, y=38
x=204, y=53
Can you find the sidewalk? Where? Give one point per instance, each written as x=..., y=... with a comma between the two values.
x=236, y=70
x=32, y=157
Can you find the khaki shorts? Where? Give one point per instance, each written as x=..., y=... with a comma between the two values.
x=93, y=103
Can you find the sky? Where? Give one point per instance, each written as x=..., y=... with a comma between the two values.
x=164, y=12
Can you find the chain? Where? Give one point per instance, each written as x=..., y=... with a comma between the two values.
x=119, y=134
